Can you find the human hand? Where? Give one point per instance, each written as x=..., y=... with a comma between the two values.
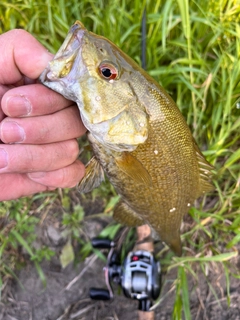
x=38, y=127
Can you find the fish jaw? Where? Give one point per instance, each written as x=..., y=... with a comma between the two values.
x=64, y=71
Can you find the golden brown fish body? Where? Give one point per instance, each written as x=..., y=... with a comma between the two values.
x=138, y=135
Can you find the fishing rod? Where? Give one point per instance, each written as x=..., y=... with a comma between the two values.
x=140, y=274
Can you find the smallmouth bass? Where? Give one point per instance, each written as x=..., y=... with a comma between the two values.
x=139, y=138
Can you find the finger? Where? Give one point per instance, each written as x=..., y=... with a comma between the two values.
x=66, y=177
x=21, y=54
x=3, y=90
x=27, y=158
x=16, y=185
x=1, y=115
x=32, y=100
x=62, y=125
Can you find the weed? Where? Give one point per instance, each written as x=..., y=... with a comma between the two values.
x=193, y=51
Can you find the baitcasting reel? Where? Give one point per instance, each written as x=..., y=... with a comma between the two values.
x=139, y=277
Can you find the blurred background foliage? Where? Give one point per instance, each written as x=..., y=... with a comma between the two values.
x=193, y=51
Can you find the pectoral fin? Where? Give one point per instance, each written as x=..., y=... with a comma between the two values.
x=93, y=177
x=125, y=215
x=133, y=168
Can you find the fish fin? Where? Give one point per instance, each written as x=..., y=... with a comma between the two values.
x=173, y=240
x=171, y=237
x=133, y=168
x=93, y=177
x=125, y=215
x=205, y=172
x=176, y=245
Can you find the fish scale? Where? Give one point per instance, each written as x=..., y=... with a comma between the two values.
x=138, y=136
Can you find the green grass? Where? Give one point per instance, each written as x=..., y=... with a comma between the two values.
x=193, y=51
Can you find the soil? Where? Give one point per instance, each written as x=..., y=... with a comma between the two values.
x=66, y=294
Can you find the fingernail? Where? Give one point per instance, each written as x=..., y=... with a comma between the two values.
x=11, y=132
x=18, y=106
x=36, y=175
x=3, y=159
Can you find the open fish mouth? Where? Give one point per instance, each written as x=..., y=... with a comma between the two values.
x=73, y=39
x=59, y=74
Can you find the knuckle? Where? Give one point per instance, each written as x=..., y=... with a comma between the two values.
x=68, y=151
x=27, y=159
x=18, y=33
x=52, y=101
x=68, y=179
x=43, y=134
x=72, y=174
x=73, y=148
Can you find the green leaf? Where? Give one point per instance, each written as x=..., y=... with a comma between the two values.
x=232, y=159
x=22, y=242
x=67, y=254
x=110, y=231
x=184, y=10
x=217, y=258
x=234, y=241
x=111, y=204
x=185, y=295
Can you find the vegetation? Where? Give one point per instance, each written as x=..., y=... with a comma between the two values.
x=193, y=51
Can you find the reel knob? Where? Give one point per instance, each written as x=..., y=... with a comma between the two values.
x=100, y=243
x=99, y=294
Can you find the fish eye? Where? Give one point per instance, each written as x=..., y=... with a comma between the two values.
x=108, y=71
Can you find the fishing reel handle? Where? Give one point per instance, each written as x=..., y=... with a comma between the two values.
x=100, y=243
x=99, y=294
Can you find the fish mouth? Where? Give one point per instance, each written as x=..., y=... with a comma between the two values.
x=63, y=62
x=72, y=41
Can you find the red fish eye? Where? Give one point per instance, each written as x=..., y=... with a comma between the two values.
x=108, y=71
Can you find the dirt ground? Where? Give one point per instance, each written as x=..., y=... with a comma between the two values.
x=66, y=295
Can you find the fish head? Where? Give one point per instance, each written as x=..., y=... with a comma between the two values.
x=93, y=72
